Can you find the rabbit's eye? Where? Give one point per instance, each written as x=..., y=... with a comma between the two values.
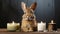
x=32, y=17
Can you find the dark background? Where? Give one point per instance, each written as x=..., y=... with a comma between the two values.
x=46, y=10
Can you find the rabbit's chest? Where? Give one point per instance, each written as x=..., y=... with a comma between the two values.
x=26, y=23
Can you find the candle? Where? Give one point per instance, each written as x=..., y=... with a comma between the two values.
x=41, y=26
x=12, y=26
x=51, y=26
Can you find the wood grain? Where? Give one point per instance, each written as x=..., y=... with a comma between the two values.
x=4, y=31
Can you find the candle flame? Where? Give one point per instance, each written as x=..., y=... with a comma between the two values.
x=41, y=21
x=13, y=22
x=51, y=21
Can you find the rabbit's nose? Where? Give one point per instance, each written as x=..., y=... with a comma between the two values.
x=30, y=18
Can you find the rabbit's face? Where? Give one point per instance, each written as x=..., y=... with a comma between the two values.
x=28, y=17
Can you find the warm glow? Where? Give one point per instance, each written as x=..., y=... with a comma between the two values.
x=41, y=22
x=51, y=21
x=13, y=22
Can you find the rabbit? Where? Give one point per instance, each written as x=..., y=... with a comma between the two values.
x=28, y=18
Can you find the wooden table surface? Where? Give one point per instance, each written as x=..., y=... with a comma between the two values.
x=4, y=31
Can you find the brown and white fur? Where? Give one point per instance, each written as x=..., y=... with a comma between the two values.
x=28, y=18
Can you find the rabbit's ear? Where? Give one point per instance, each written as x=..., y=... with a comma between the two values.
x=23, y=5
x=33, y=6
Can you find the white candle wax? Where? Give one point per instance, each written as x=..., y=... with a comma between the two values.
x=41, y=26
x=12, y=26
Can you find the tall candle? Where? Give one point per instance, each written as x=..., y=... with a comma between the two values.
x=12, y=26
x=51, y=26
x=41, y=26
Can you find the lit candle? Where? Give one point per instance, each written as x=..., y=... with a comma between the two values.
x=12, y=26
x=51, y=26
x=41, y=26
